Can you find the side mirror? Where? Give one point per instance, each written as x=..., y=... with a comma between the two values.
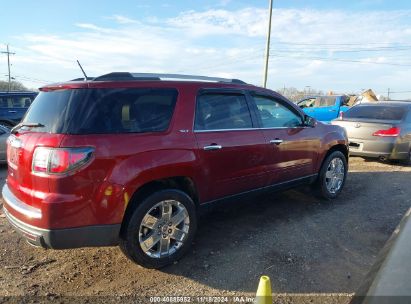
x=310, y=121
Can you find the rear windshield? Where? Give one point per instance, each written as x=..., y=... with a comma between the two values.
x=377, y=112
x=103, y=111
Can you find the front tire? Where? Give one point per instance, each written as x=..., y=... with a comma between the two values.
x=160, y=230
x=332, y=176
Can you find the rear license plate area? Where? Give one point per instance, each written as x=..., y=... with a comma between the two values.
x=13, y=152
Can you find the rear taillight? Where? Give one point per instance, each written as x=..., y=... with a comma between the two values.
x=341, y=115
x=60, y=160
x=391, y=132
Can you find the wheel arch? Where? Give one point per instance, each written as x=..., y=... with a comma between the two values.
x=182, y=183
x=336, y=147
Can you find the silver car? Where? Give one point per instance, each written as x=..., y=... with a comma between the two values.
x=4, y=134
x=381, y=130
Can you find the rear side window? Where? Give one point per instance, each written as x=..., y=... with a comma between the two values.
x=376, y=112
x=103, y=111
x=222, y=112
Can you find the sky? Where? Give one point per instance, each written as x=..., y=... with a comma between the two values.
x=339, y=46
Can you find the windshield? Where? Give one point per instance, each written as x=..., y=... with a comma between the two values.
x=102, y=111
x=377, y=112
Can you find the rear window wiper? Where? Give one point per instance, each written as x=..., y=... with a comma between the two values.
x=26, y=124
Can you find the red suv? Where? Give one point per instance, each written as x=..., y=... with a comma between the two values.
x=129, y=159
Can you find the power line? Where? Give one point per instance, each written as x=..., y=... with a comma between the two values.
x=399, y=92
x=8, y=64
x=228, y=61
x=344, y=44
x=32, y=79
x=346, y=50
x=341, y=60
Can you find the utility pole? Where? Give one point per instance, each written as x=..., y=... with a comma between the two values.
x=8, y=64
x=388, y=94
x=267, y=47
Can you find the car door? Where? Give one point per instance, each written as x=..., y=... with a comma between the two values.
x=231, y=148
x=292, y=147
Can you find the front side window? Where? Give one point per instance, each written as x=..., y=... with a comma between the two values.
x=275, y=115
x=222, y=112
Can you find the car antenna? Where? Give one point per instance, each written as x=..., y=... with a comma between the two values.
x=84, y=73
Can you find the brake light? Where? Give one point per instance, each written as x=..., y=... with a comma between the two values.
x=341, y=115
x=391, y=132
x=59, y=160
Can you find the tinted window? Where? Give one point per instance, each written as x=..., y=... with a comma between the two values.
x=49, y=109
x=103, y=111
x=275, y=115
x=222, y=111
x=325, y=101
x=21, y=101
x=6, y=102
x=15, y=101
x=376, y=112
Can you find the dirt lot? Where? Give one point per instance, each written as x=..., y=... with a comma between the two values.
x=306, y=246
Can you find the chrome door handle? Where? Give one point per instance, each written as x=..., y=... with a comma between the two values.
x=332, y=110
x=212, y=147
x=276, y=141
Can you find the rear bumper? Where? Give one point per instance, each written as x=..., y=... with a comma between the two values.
x=387, y=148
x=87, y=236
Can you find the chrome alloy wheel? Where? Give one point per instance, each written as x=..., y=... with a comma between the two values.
x=164, y=229
x=334, y=177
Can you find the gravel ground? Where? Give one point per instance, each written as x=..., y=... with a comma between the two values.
x=313, y=251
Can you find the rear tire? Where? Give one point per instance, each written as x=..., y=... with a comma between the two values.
x=160, y=230
x=332, y=176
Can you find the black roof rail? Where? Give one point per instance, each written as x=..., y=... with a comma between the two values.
x=126, y=76
x=122, y=76
x=82, y=79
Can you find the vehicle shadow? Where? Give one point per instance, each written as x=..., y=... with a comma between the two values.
x=395, y=163
x=304, y=244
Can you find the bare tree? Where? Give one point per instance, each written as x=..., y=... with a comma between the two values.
x=295, y=95
x=15, y=86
